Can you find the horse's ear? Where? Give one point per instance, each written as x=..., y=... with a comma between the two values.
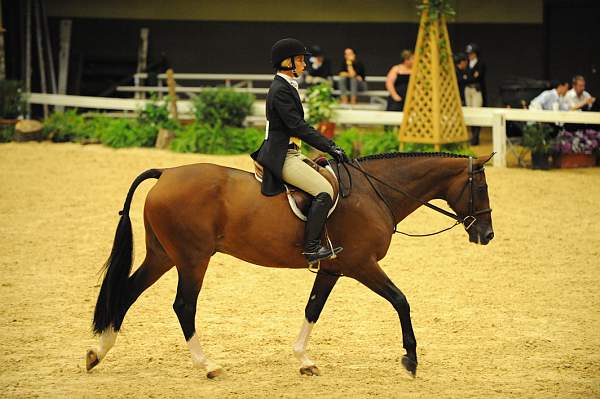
x=483, y=160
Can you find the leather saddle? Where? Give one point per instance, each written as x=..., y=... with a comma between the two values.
x=299, y=200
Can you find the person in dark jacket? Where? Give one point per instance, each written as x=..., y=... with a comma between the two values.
x=475, y=91
x=280, y=155
x=462, y=75
x=318, y=70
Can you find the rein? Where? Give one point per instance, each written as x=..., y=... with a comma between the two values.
x=467, y=221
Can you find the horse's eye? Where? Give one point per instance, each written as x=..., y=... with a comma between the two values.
x=483, y=189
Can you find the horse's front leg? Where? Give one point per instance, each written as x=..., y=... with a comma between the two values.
x=372, y=276
x=322, y=287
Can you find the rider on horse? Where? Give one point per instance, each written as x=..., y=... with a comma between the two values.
x=280, y=155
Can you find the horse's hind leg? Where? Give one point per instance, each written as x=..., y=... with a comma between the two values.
x=156, y=263
x=372, y=276
x=188, y=288
x=322, y=287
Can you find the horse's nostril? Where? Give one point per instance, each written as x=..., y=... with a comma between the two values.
x=490, y=235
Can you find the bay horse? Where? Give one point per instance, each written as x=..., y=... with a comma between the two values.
x=194, y=211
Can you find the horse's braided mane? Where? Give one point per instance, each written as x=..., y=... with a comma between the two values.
x=389, y=155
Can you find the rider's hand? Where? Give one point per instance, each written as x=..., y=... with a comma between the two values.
x=338, y=154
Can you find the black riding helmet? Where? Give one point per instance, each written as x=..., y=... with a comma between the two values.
x=287, y=48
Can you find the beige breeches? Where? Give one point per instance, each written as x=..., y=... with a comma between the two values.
x=473, y=97
x=297, y=173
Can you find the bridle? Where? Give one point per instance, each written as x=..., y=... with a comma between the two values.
x=468, y=221
x=472, y=213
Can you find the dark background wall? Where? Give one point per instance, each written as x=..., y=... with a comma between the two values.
x=572, y=40
x=104, y=48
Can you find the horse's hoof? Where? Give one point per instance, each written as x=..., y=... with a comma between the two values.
x=214, y=373
x=410, y=365
x=91, y=359
x=309, y=370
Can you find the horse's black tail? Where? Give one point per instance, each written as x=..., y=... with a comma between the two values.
x=112, y=300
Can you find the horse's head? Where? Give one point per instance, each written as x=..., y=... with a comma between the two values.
x=468, y=197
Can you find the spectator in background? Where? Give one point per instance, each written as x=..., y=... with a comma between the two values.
x=553, y=99
x=462, y=75
x=475, y=90
x=318, y=69
x=397, y=82
x=352, y=77
x=577, y=98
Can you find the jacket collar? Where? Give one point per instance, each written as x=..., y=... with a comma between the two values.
x=295, y=92
x=287, y=79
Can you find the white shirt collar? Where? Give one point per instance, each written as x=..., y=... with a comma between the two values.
x=473, y=62
x=584, y=94
x=288, y=79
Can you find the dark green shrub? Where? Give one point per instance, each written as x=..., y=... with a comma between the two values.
x=67, y=126
x=208, y=139
x=458, y=148
x=6, y=133
x=120, y=133
x=360, y=143
x=114, y=132
x=453, y=148
x=156, y=113
x=223, y=107
x=350, y=141
x=380, y=142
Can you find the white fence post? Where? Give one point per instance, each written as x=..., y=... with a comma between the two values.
x=499, y=138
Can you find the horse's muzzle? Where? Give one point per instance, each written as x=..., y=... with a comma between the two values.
x=481, y=235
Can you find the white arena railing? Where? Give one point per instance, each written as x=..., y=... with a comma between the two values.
x=495, y=118
x=236, y=81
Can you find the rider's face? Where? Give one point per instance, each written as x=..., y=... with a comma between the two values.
x=300, y=64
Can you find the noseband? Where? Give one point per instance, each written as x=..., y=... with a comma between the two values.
x=468, y=221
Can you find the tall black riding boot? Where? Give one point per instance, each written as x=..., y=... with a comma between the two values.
x=317, y=215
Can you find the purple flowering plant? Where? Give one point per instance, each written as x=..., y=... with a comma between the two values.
x=578, y=142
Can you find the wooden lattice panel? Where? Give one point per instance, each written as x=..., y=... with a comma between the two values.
x=432, y=110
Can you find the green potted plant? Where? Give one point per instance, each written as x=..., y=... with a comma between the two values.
x=538, y=138
x=320, y=101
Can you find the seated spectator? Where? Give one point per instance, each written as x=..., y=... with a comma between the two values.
x=352, y=77
x=553, y=99
x=577, y=98
x=397, y=82
x=318, y=69
x=462, y=75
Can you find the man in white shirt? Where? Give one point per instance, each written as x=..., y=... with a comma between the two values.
x=553, y=99
x=577, y=98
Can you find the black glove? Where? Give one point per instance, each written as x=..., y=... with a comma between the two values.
x=338, y=154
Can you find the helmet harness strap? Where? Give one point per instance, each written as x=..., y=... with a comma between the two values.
x=290, y=68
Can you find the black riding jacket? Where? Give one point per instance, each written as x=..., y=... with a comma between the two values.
x=286, y=118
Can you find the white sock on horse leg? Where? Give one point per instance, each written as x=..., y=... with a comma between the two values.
x=301, y=343
x=199, y=359
x=107, y=340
